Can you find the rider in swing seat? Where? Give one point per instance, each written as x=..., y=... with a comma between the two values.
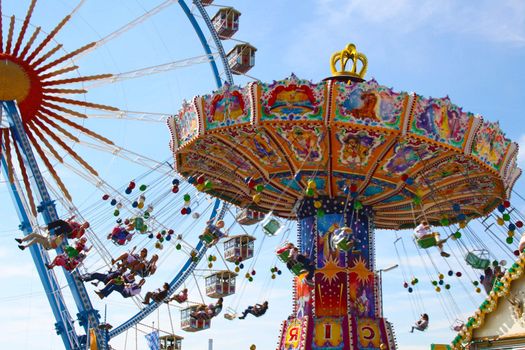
x=423, y=232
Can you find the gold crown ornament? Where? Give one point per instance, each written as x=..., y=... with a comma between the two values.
x=343, y=57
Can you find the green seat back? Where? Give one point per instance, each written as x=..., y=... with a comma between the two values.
x=427, y=242
x=271, y=227
x=477, y=262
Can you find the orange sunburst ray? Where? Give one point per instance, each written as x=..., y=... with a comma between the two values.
x=64, y=91
x=78, y=127
x=80, y=103
x=46, y=55
x=331, y=269
x=10, y=35
x=65, y=57
x=1, y=31
x=25, y=179
x=58, y=72
x=42, y=118
x=29, y=43
x=48, y=164
x=363, y=274
x=34, y=72
x=48, y=38
x=24, y=27
x=38, y=133
x=61, y=109
x=8, y=159
x=76, y=80
x=71, y=152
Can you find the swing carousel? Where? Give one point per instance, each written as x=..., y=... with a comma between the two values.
x=342, y=157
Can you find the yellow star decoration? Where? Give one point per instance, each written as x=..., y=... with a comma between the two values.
x=331, y=269
x=360, y=269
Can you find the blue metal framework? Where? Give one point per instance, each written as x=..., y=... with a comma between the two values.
x=190, y=264
x=87, y=316
x=176, y=282
x=215, y=37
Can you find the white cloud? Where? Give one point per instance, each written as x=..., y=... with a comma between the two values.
x=335, y=22
x=483, y=20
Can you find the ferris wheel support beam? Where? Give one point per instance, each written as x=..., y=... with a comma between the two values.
x=87, y=315
x=64, y=323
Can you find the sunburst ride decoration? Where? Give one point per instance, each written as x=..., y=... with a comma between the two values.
x=36, y=78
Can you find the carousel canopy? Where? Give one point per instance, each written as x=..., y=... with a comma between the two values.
x=266, y=146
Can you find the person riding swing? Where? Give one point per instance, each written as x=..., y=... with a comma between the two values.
x=426, y=238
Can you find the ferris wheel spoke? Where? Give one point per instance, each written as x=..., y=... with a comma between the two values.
x=76, y=80
x=131, y=156
x=132, y=115
x=64, y=91
x=64, y=58
x=56, y=126
x=47, y=163
x=77, y=7
x=58, y=72
x=73, y=125
x=10, y=35
x=1, y=30
x=45, y=56
x=24, y=27
x=29, y=43
x=155, y=69
x=60, y=109
x=129, y=25
x=7, y=144
x=48, y=38
x=25, y=179
x=71, y=152
x=80, y=103
x=44, y=139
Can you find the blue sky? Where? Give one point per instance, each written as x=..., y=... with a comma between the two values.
x=471, y=51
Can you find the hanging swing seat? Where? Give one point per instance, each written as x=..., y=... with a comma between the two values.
x=271, y=226
x=341, y=239
x=139, y=224
x=427, y=241
x=345, y=245
x=230, y=314
x=296, y=267
x=120, y=236
x=211, y=235
x=478, y=259
x=457, y=325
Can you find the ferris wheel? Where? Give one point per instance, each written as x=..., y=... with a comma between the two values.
x=50, y=127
